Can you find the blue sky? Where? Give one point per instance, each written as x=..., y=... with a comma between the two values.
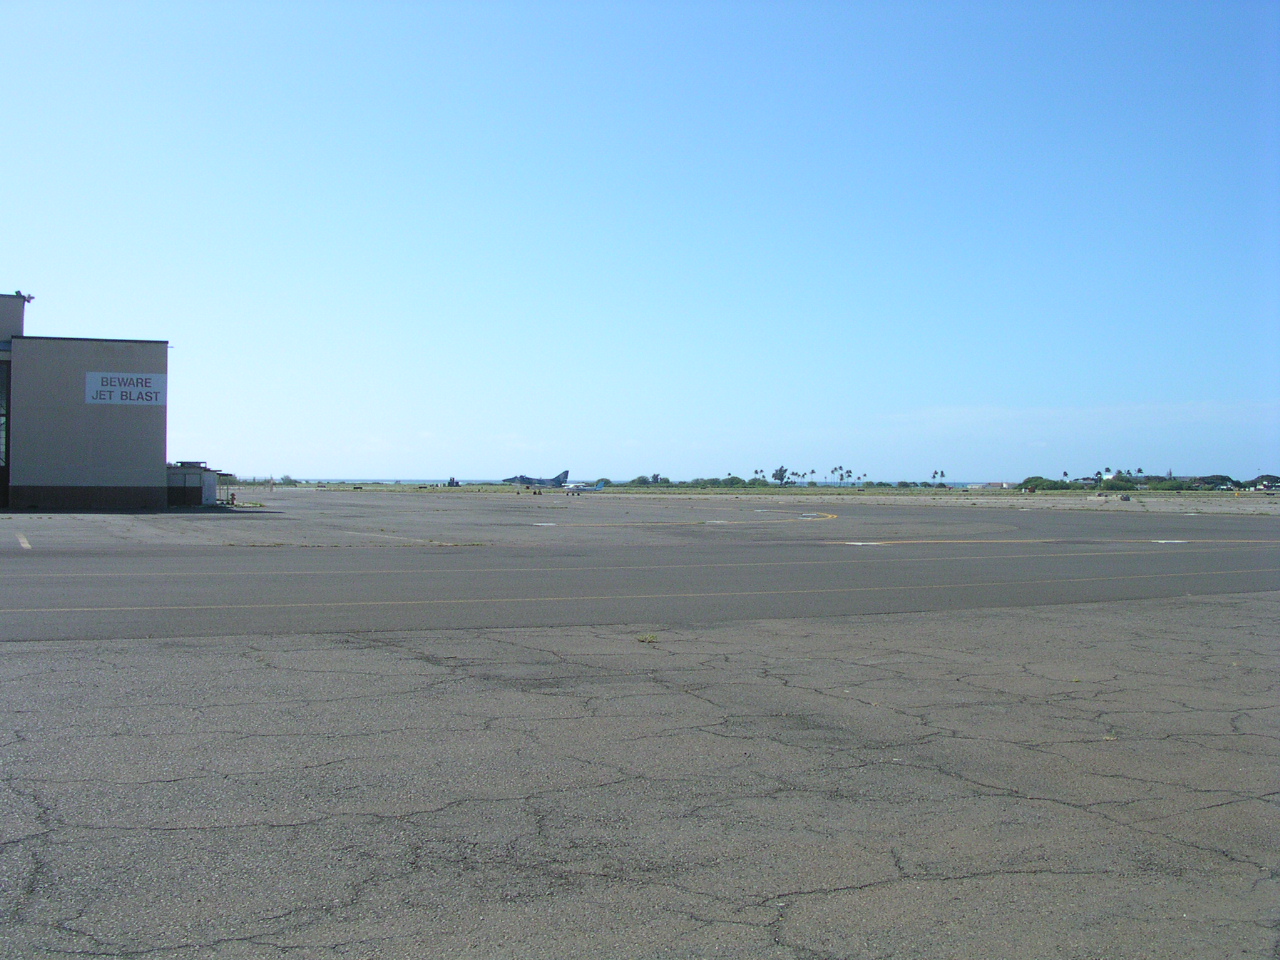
x=421, y=240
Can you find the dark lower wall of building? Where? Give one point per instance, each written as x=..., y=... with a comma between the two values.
x=186, y=496
x=88, y=498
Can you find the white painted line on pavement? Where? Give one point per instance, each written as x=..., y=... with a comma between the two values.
x=25, y=543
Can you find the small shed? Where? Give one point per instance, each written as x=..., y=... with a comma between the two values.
x=192, y=484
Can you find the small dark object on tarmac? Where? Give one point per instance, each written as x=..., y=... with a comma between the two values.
x=1124, y=496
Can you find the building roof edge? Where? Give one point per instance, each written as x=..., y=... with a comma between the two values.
x=89, y=339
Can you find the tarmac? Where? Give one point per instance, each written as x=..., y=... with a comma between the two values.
x=353, y=724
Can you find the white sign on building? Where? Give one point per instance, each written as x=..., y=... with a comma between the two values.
x=138, y=389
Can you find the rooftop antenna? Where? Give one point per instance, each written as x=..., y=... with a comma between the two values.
x=26, y=297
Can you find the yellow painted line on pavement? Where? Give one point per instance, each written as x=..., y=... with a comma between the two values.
x=452, y=601
x=1064, y=541
x=595, y=568
x=381, y=536
x=703, y=523
x=626, y=523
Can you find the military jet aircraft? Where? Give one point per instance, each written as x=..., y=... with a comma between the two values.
x=556, y=481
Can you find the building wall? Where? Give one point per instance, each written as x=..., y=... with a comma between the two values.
x=12, y=307
x=66, y=452
x=11, y=310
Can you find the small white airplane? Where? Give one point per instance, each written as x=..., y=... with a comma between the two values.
x=580, y=487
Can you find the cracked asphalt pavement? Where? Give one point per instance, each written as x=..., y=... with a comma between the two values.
x=994, y=734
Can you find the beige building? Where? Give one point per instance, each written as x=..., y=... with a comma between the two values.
x=83, y=422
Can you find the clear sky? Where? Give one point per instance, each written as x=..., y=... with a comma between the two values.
x=419, y=240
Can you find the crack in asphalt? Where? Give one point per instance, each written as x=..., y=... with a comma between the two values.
x=470, y=789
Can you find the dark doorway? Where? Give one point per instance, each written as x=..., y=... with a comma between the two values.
x=4, y=434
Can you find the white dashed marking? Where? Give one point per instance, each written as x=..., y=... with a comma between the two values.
x=862, y=543
x=544, y=524
x=23, y=542
x=1168, y=541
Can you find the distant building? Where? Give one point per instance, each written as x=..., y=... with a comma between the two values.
x=192, y=484
x=83, y=422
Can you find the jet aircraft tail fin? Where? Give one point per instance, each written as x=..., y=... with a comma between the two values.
x=559, y=480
